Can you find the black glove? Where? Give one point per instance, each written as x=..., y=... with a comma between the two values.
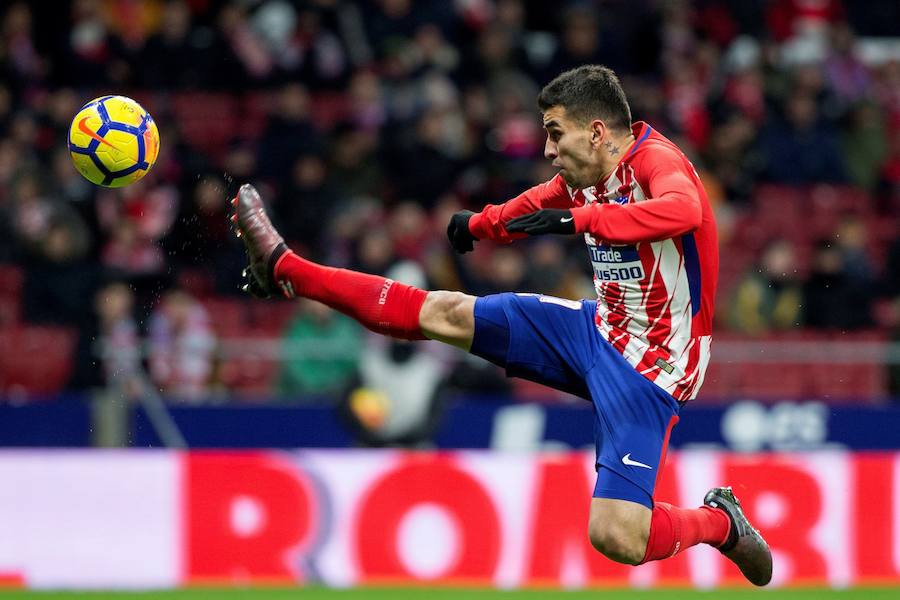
x=461, y=238
x=548, y=220
x=252, y=286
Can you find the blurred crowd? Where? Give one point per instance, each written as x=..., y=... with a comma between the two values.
x=367, y=124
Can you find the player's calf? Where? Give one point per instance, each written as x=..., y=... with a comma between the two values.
x=619, y=529
x=618, y=542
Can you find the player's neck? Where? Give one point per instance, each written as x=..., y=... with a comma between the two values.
x=613, y=149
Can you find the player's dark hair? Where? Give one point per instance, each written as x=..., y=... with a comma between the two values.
x=589, y=92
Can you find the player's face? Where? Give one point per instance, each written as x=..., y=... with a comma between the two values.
x=572, y=146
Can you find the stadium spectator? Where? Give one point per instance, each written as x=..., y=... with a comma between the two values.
x=889, y=178
x=70, y=187
x=374, y=252
x=839, y=291
x=391, y=24
x=289, y=133
x=110, y=348
x=891, y=279
x=93, y=53
x=59, y=280
x=398, y=395
x=175, y=57
x=366, y=103
x=436, y=165
x=354, y=169
x=32, y=209
x=864, y=145
x=23, y=63
x=549, y=271
x=893, y=369
x=302, y=47
x=788, y=18
x=409, y=231
x=585, y=41
x=732, y=158
x=801, y=149
x=200, y=237
x=770, y=295
x=498, y=49
x=847, y=75
x=135, y=220
x=306, y=200
x=243, y=57
x=890, y=287
x=320, y=351
x=852, y=241
x=181, y=347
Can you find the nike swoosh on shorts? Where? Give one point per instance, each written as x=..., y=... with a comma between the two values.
x=633, y=463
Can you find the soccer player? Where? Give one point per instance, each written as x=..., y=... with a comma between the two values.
x=637, y=353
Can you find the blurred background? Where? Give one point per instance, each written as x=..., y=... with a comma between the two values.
x=366, y=124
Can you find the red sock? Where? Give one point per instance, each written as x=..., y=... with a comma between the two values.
x=673, y=529
x=381, y=304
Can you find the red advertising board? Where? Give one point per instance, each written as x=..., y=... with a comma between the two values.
x=166, y=519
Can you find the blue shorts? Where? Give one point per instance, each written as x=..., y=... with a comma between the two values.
x=555, y=342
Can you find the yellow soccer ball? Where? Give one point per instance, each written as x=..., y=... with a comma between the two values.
x=113, y=141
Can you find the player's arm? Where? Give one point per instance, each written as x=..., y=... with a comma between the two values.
x=673, y=209
x=467, y=227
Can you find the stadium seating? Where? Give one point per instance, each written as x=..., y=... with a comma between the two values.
x=37, y=360
x=837, y=378
x=10, y=294
x=802, y=215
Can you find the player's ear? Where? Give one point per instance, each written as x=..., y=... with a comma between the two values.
x=598, y=132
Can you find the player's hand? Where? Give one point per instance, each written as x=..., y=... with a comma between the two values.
x=458, y=232
x=548, y=220
x=252, y=286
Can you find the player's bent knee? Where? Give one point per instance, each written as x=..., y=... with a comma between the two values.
x=449, y=317
x=617, y=542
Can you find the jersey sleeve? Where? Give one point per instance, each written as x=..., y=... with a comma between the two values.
x=490, y=223
x=672, y=209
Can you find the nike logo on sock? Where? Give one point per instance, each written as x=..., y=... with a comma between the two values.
x=288, y=288
x=565, y=219
x=633, y=463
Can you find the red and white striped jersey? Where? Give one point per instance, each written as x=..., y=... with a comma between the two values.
x=652, y=241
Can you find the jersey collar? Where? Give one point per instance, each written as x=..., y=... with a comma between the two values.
x=641, y=131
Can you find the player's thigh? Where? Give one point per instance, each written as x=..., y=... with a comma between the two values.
x=448, y=317
x=539, y=338
x=619, y=529
x=634, y=418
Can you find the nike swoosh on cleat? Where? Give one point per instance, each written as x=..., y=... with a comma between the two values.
x=92, y=134
x=633, y=463
x=565, y=220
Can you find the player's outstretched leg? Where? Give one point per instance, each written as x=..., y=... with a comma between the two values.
x=380, y=304
x=745, y=547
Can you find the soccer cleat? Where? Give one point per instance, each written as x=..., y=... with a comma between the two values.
x=251, y=286
x=264, y=245
x=745, y=547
